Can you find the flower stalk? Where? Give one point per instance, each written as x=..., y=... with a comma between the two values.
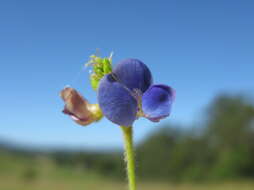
x=129, y=156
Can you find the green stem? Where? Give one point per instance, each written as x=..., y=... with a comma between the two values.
x=129, y=156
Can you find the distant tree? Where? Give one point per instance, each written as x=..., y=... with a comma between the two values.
x=223, y=150
x=155, y=153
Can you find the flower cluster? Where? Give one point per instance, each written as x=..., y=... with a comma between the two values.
x=125, y=93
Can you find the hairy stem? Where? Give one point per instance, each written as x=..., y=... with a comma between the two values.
x=129, y=156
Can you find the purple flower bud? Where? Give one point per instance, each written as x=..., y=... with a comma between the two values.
x=120, y=94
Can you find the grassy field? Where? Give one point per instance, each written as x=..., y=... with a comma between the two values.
x=43, y=174
x=45, y=177
x=12, y=183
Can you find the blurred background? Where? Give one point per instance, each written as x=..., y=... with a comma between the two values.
x=203, y=49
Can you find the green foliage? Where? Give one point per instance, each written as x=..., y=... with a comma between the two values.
x=154, y=155
x=108, y=164
x=224, y=150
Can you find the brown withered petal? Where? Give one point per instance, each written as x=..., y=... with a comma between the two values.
x=77, y=107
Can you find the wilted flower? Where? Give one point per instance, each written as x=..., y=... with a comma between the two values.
x=79, y=108
x=128, y=93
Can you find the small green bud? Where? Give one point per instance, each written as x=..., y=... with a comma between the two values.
x=100, y=67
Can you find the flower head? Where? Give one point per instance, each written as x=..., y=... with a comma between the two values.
x=125, y=93
x=128, y=93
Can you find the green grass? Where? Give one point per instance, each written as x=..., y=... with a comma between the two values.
x=49, y=178
x=14, y=183
x=43, y=174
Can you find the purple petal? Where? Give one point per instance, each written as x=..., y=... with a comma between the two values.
x=157, y=101
x=134, y=74
x=116, y=101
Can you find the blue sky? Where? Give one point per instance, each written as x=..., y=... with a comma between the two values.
x=200, y=48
